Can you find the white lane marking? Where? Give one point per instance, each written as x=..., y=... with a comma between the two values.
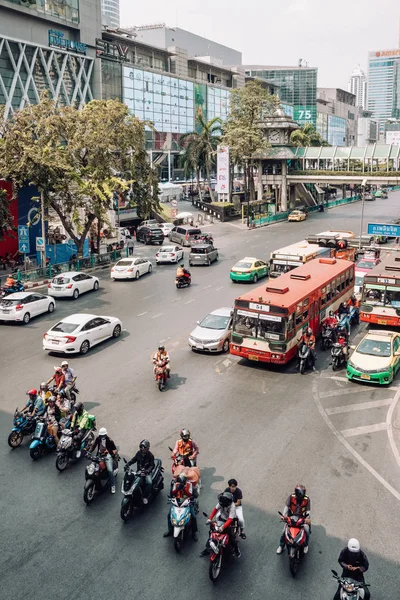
x=158, y=315
x=337, y=410
x=337, y=378
x=176, y=300
x=147, y=297
x=189, y=301
x=207, y=287
x=227, y=362
x=220, y=288
x=363, y=430
x=341, y=392
x=143, y=313
x=350, y=448
x=389, y=425
x=162, y=341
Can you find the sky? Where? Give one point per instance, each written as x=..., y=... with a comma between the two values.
x=333, y=36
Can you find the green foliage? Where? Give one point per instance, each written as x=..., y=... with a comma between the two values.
x=5, y=215
x=307, y=136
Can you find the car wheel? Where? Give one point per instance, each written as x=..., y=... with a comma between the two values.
x=50, y=308
x=190, y=264
x=26, y=318
x=255, y=278
x=209, y=262
x=117, y=331
x=150, y=268
x=225, y=347
x=216, y=258
x=96, y=286
x=137, y=275
x=75, y=295
x=85, y=347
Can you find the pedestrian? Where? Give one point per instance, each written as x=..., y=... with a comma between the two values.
x=130, y=245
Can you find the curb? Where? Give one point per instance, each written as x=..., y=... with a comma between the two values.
x=34, y=284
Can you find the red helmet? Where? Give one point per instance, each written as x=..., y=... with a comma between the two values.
x=31, y=392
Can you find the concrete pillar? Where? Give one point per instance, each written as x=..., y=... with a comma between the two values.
x=260, y=185
x=284, y=187
x=292, y=196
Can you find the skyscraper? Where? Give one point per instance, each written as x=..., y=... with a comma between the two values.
x=358, y=86
x=110, y=13
x=384, y=85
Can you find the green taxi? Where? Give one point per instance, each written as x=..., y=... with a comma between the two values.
x=376, y=358
x=249, y=269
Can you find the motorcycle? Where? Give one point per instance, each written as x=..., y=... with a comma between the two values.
x=295, y=540
x=327, y=337
x=132, y=489
x=304, y=358
x=182, y=282
x=42, y=440
x=181, y=519
x=349, y=588
x=23, y=425
x=96, y=476
x=68, y=451
x=161, y=375
x=338, y=355
x=220, y=545
x=12, y=289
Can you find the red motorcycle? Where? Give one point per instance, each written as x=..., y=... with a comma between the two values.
x=295, y=540
x=161, y=375
x=220, y=545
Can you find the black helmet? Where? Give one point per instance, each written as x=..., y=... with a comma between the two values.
x=79, y=408
x=225, y=499
x=182, y=266
x=185, y=435
x=144, y=445
x=300, y=491
x=182, y=479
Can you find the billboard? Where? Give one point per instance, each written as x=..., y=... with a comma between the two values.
x=223, y=170
x=393, y=137
x=304, y=114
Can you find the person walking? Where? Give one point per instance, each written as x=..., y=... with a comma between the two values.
x=130, y=245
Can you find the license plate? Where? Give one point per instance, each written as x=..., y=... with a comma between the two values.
x=164, y=256
x=365, y=376
x=6, y=312
x=381, y=322
x=57, y=288
x=55, y=341
x=253, y=357
x=200, y=346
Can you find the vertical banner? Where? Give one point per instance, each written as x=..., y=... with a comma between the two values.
x=223, y=170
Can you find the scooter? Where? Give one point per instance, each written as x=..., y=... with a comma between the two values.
x=181, y=519
x=42, y=440
x=68, y=451
x=12, y=289
x=327, y=337
x=304, y=358
x=295, y=540
x=182, y=282
x=338, y=356
x=132, y=489
x=220, y=546
x=349, y=588
x=161, y=374
x=23, y=425
x=96, y=476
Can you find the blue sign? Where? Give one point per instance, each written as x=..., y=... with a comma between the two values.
x=384, y=229
x=23, y=232
x=57, y=39
x=23, y=246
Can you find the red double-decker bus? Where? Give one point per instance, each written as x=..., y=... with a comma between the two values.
x=269, y=321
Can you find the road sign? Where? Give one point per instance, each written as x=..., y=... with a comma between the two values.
x=23, y=232
x=384, y=229
x=174, y=203
x=23, y=246
x=39, y=243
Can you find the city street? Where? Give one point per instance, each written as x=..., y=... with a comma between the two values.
x=268, y=427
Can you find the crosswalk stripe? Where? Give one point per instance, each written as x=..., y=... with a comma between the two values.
x=355, y=407
x=363, y=430
x=342, y=392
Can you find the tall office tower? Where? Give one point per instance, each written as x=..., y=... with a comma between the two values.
x=358, y=86
x=110, y=13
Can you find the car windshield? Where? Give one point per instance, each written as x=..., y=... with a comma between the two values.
x=260, y=326
x=155, y=231
x=243, y=265
x=64, y=327
x=215, y=322
x=375, y=348
x=167, y=249
x=196, y=250
x=11, y=302
x=381, y=295
x=124, y=263
x=359, y=280
x=61, y=280
x=365, y=264
x=194, y=232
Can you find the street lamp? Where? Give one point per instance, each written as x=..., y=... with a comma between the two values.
x=363, y=185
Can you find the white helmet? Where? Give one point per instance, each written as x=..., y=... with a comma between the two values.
x=353, y=545
x=103, y=431
x=64, y=363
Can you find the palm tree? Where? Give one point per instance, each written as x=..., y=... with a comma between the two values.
x=201, y=147
x=307, y=136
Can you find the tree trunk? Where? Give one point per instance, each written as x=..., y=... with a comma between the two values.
x=99, y=225
x=198, y=184
x=208, y=174
x=79, y=241
x=251, y=181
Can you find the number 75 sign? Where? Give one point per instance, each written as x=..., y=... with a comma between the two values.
x=304, y=114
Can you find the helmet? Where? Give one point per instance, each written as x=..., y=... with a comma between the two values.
x=51, y=399
x=182, y=479
x=102, y=431
x=79, y=408
x=309, y=331
x=64, y=363
x=185, y=434
x=57, y=369
x=32, y=392
x=182, y=266
x=331, y=313
x=44, y=386
x=161, y=348
x=225, y=499
x=300, y=491
x=353, y=545
x=144, y=445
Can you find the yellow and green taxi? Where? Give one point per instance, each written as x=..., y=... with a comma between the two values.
x=376, y=358
x=249, y=269
x=297, y=215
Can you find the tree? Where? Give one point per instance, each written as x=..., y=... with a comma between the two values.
x=242, y=132
x=307, y=136
x=6, y=224
x=201, y=147
x=77, y=159
x=192, y=162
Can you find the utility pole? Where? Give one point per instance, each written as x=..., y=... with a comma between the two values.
x=43, y=258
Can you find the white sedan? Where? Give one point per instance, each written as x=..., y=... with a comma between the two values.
x=78, y=333
x=22, y=306
x=131, y=268
x=72, y=284
x=166, y=228
x=169, y=254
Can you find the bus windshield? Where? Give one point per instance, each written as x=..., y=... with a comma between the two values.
x=381, y=295
x=258, y=325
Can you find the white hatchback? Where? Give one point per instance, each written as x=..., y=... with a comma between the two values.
x=166, y=228
x=22, y=306
x=169, y=254
x=131, y=268
x=78, y=333
x=72, y=284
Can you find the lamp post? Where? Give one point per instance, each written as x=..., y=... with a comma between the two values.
x=363, y=184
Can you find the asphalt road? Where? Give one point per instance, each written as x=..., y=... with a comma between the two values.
x=268, y=427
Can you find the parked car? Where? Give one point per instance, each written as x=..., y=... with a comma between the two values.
x=150, y=235
x=297, y=215
x=376, y=358
x=169, y=254
x=166, y=228
x=202, y=254
x=249, y=269
x=79, y=332
x=131, y=268
x=22, y=306
x=73, y=283
x=184, y=234
x=213, y=333
x=368, y=197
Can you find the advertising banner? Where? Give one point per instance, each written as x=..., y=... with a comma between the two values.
x=223, y=170
x=305, y=114
x=393, y=137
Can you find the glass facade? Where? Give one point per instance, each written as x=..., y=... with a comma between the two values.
x=65, y=10
x=336, y=131
x=322, y=125
x=297, y=86
x=110, y=12
x=287, y=109
x=384, y=85
x=217, y=103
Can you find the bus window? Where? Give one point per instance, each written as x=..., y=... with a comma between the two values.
x=299, y=314
x=305, y=315
x=329, y=291
x=290, y=324
x=375, y=294
x=270, y=326
x=342, y=281
x=393, y=296
x=245, y=325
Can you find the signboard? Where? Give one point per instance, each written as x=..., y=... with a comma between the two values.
x=384, y=229
x=57, y=40
x=223, y=170
x=393, y=137
x=304, y=114
x=111, y=50
x=24, y=247
x=23, y=239
x=39, y=244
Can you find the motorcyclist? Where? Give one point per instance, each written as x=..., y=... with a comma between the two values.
x=343, y=339
x=308, y=338
x=182, y=272
x=58, y=378
x=297, y=505
x=79, y=422
x=63, y=404
x=34, y=405
x=44, y=392
x=10, y=282
x=225, y=511
x=107, y=449
x=354, y=563
x=52, y=416
x=343, y=309
x=187, y=448
x=237, y=498
x=145, y=463
x=184, y=489
x=69, y=377
x=331, y=320
x=162, y=356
